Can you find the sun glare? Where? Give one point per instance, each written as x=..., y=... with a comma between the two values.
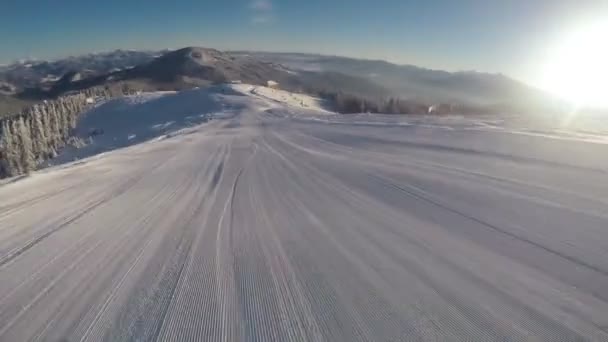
x=577, y=69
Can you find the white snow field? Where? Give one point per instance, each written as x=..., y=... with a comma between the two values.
x=278, y=221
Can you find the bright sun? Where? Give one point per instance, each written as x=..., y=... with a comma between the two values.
x=577, y=69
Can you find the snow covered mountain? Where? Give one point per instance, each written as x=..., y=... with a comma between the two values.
x=197, y=65
x=32, y=73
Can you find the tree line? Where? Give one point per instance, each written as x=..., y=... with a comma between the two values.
x=37, y=133
x=345, y=103
x=349, y=104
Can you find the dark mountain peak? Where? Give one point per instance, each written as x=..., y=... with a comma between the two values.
x=192, y=62
x=197, y=53
x=194, y=56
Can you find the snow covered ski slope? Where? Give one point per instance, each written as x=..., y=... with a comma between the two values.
x=249, y=214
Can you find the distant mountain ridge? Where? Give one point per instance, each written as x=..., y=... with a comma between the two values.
x=413, y=82
x=32, y=73
x=30, y=81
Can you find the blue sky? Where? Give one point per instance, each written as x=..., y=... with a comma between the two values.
x=507, y=36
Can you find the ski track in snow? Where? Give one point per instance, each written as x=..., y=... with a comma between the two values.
x=272, y=224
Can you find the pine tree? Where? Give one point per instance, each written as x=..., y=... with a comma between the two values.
x=16, y=166
x=54, y=131
x=39, y=139
x=44, y=118
x=7, y=163
x=64, y=125
x=26, y=157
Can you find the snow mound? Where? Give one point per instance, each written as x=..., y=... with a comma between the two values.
x=131, y=120
x=134, y=119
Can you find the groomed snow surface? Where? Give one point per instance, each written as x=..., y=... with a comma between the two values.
x=244, y=213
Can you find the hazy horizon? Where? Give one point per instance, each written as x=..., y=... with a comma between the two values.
x=272, y=51
x=516, y=38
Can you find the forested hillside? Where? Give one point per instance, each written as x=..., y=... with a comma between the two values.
x=38, y=132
